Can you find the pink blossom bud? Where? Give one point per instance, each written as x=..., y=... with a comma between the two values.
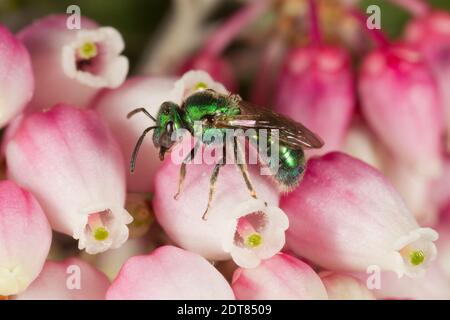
x=72, y=279
x=70, y=161
x=431, y=33
x=316, y=88
x=401, y=103
x=17, y=84
x=349, y=210
x=219, y=69
x=169, y=273
x=280, y=277
x=73, y=63
x=345, y=287
x=25, y=237
x=237, y=225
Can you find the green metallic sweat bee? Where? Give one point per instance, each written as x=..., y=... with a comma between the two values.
x=219, y=111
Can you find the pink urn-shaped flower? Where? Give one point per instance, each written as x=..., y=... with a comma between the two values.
x=69, y=159
x=431, y=34
x=316, y=88
x=72, y=63
x=280, y=277
x=348, y=210
x=25, y=238
x=401, y=102
x=169, y=273
x=16, y=80
x=71, y=279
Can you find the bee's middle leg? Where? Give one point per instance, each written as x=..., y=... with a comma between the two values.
x=182, y=174
x=213, y=180
x=243, y=167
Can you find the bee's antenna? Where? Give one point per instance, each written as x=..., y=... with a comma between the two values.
x=133, y=112
x=138, y=145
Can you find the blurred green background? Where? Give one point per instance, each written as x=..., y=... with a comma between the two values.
x=137, y=20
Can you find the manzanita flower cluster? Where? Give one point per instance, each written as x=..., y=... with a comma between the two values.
x=368, y=220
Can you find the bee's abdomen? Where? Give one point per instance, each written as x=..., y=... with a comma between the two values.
x=287, y=169
x=291, y=168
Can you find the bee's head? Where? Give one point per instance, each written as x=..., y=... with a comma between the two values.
x=168, y=120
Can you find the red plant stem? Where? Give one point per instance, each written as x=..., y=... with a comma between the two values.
x=314, y=23
x=377, y=35
x=417, y=8
x=231, y=28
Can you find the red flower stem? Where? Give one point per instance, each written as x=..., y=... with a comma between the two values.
x=376, y=34
x=315, y=34
x=231, y=28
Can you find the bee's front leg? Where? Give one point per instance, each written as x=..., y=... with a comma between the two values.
x=182, y=175
x=243, y=167
x=213, y=180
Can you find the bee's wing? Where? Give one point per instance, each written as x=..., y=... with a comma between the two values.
x=292, y=133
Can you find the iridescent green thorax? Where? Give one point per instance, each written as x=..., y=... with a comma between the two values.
x=206, y=104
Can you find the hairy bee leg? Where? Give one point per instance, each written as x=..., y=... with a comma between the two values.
x=143, y=110
x=212, y=182
x=182, y=174
x=243, y=167
x=137, y=146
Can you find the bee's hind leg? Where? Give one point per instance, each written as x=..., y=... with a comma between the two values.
x=243, y=167
x=213, y=180
x=182, y=174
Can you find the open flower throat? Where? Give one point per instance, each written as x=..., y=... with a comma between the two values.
x=103, y=230
x=249, y=230
x=97, y=227
x=85, y=56
x=255, y=232
x=417, y=250
x=94, y=58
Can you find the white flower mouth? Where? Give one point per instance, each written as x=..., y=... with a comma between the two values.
x=103, y=230
x=193, y=81
x=416, y=251
x=94, y=59
x=254, y=233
